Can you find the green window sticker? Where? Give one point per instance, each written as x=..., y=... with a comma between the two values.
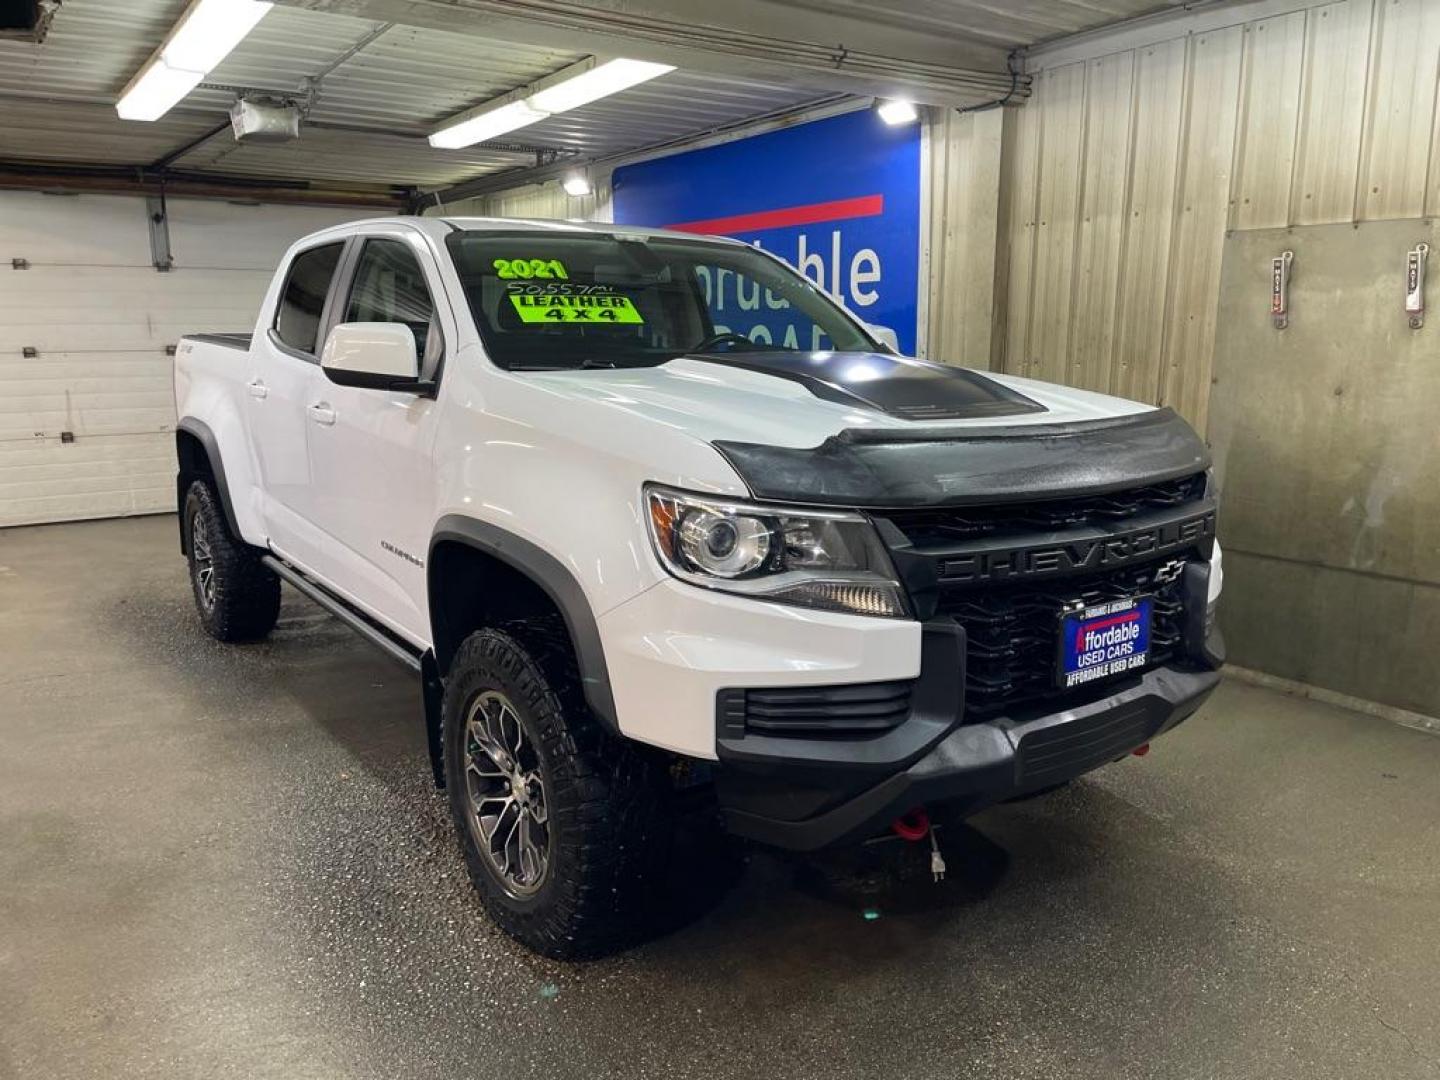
x=529, y=269
x=601, y=308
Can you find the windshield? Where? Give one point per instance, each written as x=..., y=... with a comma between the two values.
x=548, y=301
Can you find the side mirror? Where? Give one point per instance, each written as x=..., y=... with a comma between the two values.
x=374, y=355
x=888, y=337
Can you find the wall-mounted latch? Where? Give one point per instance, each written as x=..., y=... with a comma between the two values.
x=67, y=436
x=157, y=217
x=29, y=352
x=1415, y=285
x=19, y=264
x=170, y=350
x=1280, y=289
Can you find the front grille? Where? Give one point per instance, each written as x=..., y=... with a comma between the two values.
x=855, y=709
x=1004, y=572
x=946, y=525
x=1012, y=632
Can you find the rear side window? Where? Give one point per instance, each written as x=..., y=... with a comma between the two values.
x=390, y=287
x=303, y=302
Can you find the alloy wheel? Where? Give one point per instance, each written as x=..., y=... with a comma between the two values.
x=204, y=560
x=506, y=792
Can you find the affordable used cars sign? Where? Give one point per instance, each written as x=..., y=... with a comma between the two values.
x=838, y=199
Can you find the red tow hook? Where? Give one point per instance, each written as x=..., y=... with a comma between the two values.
x=912, y=826
x=1141, y=750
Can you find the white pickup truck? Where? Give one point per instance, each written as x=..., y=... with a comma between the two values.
x=631, y=549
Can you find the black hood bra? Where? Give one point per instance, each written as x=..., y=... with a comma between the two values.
x=898, y=386
x=875, y=468
x=918, y=466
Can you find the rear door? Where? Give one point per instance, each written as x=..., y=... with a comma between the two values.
x=370, y=450
x=281, y=387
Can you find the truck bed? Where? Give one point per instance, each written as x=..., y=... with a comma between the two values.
x=230, y=341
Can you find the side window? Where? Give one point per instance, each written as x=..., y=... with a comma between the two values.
x=303, y=301
x=390, y=287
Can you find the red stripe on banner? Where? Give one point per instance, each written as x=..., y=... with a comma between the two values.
x=810, y=214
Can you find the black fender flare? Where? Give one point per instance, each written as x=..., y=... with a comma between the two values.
x=201, y=432
x=558, y=583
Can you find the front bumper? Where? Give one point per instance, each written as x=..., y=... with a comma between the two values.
x=810, y=793
x=804, y=806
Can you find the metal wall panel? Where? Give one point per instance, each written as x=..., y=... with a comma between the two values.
x=1119, y=200
x=1061, y=164
x=962, y=184
x=1156, y=112
x=1202, y=199
x=1110, y=88
x=546, y=201
x=1023, y=217
x=1337, y=56
x=1274, y=52
x=1331, y=515
x=1401, y=109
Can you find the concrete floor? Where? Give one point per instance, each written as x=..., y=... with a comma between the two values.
x=220, y=861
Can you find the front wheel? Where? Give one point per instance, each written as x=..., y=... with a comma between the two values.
x=563, y=828
x=237, y=596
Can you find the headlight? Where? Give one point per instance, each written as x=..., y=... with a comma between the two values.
x=833, y=561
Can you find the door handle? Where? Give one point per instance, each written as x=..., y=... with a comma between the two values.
x=322, y=413
x=258, y=389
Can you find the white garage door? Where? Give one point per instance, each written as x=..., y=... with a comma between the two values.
x=86, y=406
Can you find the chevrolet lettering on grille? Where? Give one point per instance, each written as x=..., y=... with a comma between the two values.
x=1088, y=552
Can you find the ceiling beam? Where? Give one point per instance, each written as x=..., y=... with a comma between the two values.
x=139, y=180
x=765, y=40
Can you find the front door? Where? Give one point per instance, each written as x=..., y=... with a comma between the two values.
x=370, y=450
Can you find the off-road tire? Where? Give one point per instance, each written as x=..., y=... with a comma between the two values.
x=610, y=831
x=242, y=600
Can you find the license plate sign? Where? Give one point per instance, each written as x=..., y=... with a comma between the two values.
x=1104, y=640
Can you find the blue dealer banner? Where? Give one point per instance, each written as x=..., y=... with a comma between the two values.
x=839, y=199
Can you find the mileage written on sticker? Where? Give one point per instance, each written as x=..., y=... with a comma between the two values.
x=575, y=307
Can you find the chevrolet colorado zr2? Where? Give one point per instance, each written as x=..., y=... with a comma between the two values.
x=630, y=547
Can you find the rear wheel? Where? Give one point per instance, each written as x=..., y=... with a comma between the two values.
x=564, y=829
x=237, y=596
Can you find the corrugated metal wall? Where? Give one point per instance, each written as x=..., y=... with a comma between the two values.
x=547, y=200
x=1129, y=166
x=960, y=198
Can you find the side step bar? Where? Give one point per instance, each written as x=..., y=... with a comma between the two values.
x=400, y=650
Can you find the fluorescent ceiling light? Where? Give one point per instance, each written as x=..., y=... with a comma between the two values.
x=156, y=92
x=210, y=30
x=591, y=83
x=609, y=78
x=576, y=184
x=897, y=112
x=202, y=38
x=488, y=125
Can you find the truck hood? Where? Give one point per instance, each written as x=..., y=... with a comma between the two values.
x=875, y=430
x=801, y=399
